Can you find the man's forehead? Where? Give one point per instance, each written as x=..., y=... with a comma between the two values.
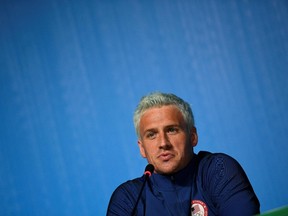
x=161, y=109
x=165, y=115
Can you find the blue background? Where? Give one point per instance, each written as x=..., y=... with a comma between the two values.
x=72, y=72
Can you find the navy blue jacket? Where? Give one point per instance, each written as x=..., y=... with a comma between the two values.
x=214, y=185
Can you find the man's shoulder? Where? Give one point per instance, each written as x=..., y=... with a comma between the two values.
x=129, y=187
x=217, y=163
x=208, y=158
x=216, y=171
x=124, y=197
x=224, y=182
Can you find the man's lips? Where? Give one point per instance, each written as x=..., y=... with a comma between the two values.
x=165, y=156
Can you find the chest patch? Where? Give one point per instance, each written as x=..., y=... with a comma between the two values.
x=198, y=208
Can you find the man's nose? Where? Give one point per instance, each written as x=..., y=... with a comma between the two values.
x=164, y=141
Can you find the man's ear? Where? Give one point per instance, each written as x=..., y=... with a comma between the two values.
x=141, y=148
x=193, y=137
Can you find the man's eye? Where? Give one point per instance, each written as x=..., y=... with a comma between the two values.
x=150, y=135
x=172, y=130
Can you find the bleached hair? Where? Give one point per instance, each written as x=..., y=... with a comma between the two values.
x=159, y=99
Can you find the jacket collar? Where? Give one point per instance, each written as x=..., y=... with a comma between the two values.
x=181, y=178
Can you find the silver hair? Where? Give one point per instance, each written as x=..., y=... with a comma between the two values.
x=159, y=99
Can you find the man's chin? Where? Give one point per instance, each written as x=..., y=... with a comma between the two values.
x=166, y=170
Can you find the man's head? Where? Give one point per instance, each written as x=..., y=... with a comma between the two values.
x=164, y=125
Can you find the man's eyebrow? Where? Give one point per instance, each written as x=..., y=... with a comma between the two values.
x=150, y=130
x=172, y=125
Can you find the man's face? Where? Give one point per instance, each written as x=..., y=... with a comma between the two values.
x=164, y=139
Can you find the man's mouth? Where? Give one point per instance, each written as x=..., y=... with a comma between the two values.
x=165, y=156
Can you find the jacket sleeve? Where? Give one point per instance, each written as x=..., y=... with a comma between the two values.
x=228, y=186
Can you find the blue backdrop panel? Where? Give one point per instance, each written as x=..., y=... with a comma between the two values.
x=72, y=72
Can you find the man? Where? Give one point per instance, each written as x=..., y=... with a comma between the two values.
x=183, y=183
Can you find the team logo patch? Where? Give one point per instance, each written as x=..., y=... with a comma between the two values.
x=198, y=208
